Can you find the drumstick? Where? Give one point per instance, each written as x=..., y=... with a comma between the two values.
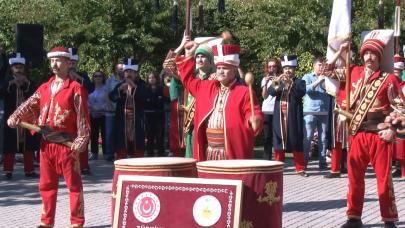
x=226, y=35
x=55, y=137
x=249, y=81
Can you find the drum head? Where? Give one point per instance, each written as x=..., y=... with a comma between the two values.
x=155, y=162
x=242, y=165
x=239, y=163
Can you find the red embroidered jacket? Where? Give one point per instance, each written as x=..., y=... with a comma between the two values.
x=67, y=111
x=388, y=94
x=239, y=136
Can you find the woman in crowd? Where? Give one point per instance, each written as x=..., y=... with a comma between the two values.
x=154, y=116
x=98, y=100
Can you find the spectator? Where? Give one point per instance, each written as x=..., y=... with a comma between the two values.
x=154, y=116
x=112, y=81
x=316, y=105
x=98, y=100
x=272, y=69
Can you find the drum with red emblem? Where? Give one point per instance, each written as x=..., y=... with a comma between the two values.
x=262, y=201
x=158, y=166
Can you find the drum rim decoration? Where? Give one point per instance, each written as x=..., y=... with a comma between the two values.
x=240, y=166
x=155, y=161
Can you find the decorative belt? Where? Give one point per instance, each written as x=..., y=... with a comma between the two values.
x=215, y=138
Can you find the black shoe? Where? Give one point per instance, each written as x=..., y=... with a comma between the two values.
x=323, y=167
x=32, y=175
x=389, y=225
x=110, y=158
x=353, y=223
x=332, y=175
x=8, y=176
x=396, y=173
x=93, y=156
x=85, y=172
x=303, y=174
x=343, y=170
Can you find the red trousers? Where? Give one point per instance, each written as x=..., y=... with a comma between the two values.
x=336, y=158
x=174, y=137
x=57, y=160
x=368, y=148
x=399, y=154
x=9, y=157
x=123, y=153
x=84, y=160
x=299, y=160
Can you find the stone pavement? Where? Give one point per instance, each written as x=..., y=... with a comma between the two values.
x=308, y=202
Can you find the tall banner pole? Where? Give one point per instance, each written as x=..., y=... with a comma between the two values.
x=380, y=14
x=397, y=25
x=348, y=76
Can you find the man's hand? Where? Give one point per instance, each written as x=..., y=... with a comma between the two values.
x=190, y=47
x=73, y=73
x=123, y=87
x=13, y=121
x=183, y=42
x=387, y=135
x=344, y=46
x=254, y=123
x=395, y=120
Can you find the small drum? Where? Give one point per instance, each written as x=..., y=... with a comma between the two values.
x=160, y=166
x=262, y=201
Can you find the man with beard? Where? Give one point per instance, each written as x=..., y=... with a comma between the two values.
x=225, y=125
x=61, y=104
x=83, y=79
x=129, y=117
x=372, y=92
x=288, y=114
x=204, y=67
x=14, y=91
x=204, y=70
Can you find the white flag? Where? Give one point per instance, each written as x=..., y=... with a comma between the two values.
x=339, y=28
x=397, y=22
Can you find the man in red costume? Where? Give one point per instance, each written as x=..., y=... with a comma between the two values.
x=399, y=146
x=224, y=123
x=60, y=104
x=373, y=91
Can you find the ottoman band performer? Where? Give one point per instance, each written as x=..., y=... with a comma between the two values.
x=224, y=124
x=288, y=114
x=15, y=90
x=60, y=104
x=130, y=96
x=374, y=91
x=204, y=70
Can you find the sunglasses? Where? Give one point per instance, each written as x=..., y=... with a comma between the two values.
x=98, y=76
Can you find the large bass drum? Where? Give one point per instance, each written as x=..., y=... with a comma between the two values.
x=262, y=201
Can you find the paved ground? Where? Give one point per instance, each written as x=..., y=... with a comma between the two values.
x=308, y=202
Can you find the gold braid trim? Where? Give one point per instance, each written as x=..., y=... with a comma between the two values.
x=366, y=103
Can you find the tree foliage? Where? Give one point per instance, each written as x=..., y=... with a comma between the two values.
x=107, y=30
